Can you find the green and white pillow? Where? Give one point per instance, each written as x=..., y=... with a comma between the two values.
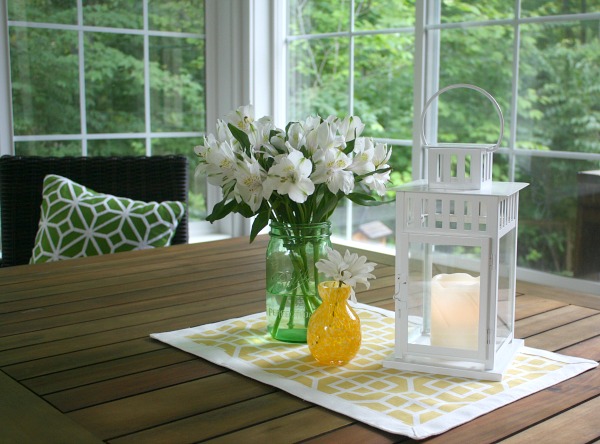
x=76, y=222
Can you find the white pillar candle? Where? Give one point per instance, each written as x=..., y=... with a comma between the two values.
x=455, y=311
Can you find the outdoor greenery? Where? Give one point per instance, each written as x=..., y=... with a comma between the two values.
x=45, y=79
x=558, y=107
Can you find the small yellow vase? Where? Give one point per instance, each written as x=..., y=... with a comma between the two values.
x=333, y=334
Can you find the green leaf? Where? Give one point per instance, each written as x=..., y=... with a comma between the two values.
x=367, y=200
x=349, y=146
x=244, y=209
x=381, y=170
x=287, y=127
x=327, y=205
x=261, y=221
x=221, y=209
x=240, y=136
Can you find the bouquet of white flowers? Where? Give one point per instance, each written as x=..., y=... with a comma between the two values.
x=297, y=175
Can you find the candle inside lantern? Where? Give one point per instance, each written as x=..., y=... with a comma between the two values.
x=455, y=311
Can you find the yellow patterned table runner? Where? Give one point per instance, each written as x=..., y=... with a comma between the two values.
x=413, y=404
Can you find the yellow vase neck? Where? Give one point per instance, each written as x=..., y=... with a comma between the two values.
x=331, y=292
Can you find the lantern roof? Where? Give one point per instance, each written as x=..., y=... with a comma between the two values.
x=493, y=189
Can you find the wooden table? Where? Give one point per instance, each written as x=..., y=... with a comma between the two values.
x=77, y=364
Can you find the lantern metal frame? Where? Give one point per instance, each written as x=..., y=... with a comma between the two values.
x=456, y=209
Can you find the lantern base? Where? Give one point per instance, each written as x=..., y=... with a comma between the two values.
x=461, y=369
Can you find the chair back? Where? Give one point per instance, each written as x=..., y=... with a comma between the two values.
x=156, y=178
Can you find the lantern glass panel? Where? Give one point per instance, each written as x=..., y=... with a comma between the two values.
x=506, y=279
x=444, y=294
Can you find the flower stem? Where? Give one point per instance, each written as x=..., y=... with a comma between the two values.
x=279, y=316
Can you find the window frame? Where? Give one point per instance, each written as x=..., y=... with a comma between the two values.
x=197, y=229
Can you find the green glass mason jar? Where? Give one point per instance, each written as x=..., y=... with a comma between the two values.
x=293, y=278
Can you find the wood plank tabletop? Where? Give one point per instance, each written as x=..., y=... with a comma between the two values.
x=77, y=363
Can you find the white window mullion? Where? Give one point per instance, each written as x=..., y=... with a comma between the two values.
x=147, y=120
x=349, y=205
x=81, y=57
x=262, y=55
x=6, y=128
x=512, y=143
x=351, y=61
x=432, y=79
x=426, y=80
x=278, y=48
x=418, y=87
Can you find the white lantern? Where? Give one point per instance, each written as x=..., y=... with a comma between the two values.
x=456, y=250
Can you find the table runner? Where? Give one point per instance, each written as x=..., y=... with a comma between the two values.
x=413, y=404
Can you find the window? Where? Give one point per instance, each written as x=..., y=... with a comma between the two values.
x=355, y=57
x=539, y=59
x=108, y=77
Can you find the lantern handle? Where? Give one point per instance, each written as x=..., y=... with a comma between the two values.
x=490, y=148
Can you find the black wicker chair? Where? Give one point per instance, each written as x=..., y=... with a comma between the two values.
x=156, y=178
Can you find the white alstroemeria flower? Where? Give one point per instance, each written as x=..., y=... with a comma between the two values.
x=223, y=132
x=217, y=161
x=362, y=161
x=351, y=127
x=278, y=140
x=296, y=136
x=242, y=117
x=350, y=269
x=221, y=164
x=381, y=155
x=334, y=122
x=289, y=148
x=289, y=175
x=249, y=184
x=259, y=136
x=324, y=137
x=210, y=143
x=330, y=168
x=377, y=182
x=260, y=131
x=310, y=123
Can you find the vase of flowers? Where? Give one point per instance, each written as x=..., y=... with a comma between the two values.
x=294, y=178
x=334, y=336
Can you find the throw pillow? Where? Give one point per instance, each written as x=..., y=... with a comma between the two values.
x=76, y=221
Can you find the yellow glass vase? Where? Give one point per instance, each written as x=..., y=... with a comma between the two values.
x=333, y=334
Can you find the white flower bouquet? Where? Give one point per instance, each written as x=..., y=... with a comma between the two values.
x=294, y=178
x=296, y=175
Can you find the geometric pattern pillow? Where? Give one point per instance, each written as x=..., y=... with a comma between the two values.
x=76, y=222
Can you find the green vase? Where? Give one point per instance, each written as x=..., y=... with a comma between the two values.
x=292, y=277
